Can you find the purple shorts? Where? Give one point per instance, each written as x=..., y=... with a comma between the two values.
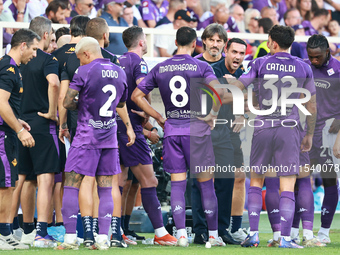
x=180, y=152
x=278, y=147
x=92, y=162
x=138, y=153
x=322, y=154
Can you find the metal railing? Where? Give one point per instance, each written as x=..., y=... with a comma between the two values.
x=151, y=32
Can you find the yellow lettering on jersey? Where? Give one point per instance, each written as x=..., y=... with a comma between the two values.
x=14, y=162
x=11, y=69
x=21, y=90
x=54, y=58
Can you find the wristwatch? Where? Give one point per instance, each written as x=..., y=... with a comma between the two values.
x=246, y=116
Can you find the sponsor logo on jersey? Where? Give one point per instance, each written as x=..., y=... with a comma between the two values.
x=146, y=4
x=330, y=72
x=143, y=69
x=11, y=69
x=322, y=84
x=248, y=70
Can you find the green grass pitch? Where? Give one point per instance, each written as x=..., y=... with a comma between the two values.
x=265, y=235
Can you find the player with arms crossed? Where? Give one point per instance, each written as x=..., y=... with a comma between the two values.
x=185, y=144
x=273, y=142
x=102, y=87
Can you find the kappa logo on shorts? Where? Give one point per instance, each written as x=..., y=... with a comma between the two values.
x=275, y=211
x=108, y=215
x=73, y=216
x=14, y=162
x=283, y=219
x=208, y=212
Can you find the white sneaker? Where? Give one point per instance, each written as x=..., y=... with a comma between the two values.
x=29, y=238
x=239, y=235
x=324, y=238
x=68, y=246
x=4, y=246
x=13, y=242
x=183, y=242
x=102, y=242
x=70, y=243
x=296, y=239
x=216, y=242
x=17, y=234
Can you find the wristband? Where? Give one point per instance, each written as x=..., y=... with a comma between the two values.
x=213, y=112
x=20, y=130
x=21, y=12
x=154, y=129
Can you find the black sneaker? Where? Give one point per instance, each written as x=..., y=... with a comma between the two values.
x=89, y=244
x=132, y=233
x=118, y=243
x=201, y=238
x=228, y=239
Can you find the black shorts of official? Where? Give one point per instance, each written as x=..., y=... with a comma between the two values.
x=8, y=159
x=238, y=154
x=42, y=158
x=132, y=177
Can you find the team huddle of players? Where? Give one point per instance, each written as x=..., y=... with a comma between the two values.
x=103, y=109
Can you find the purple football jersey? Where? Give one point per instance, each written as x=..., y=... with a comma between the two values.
x=230, y=25
x=280, y=70
x=135, y=68
x=309, y=29
x=173, y=77
x=280, y=9
x=101, y=85
x=150, y=11
x=327, y=80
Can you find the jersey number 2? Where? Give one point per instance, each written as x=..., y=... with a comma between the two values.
x=104, y=110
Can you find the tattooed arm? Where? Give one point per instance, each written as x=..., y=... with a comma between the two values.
x=69, y=101
x=123, y=114
x=307, y=141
